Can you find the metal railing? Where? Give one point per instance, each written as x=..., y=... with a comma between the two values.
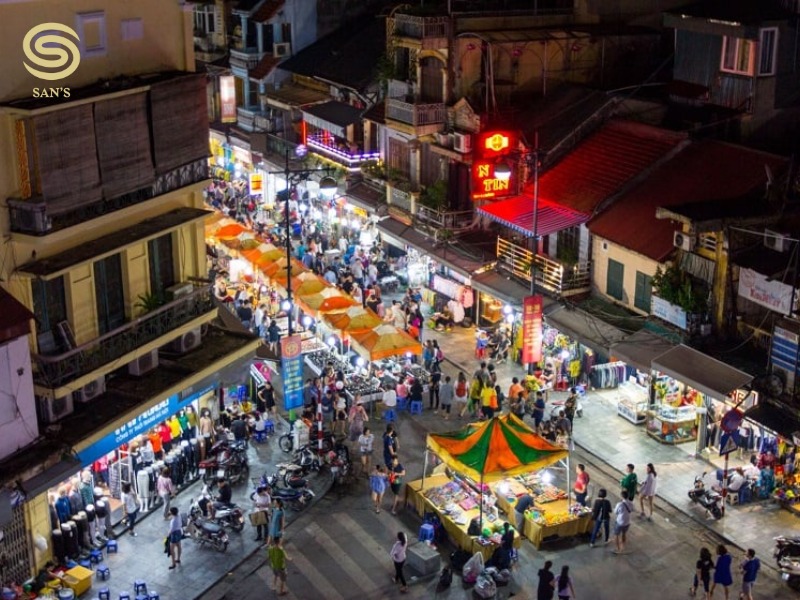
x=57, y=370
x=400, y=89
x=420, y=27
x=448, y=219
x=246, y=117
x=328, y=148
x=245, y=59
x=31, y=216
x=399, y=198
x=552, y=275
x=415, y=114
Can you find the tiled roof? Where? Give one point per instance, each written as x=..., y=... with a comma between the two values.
x=348, y=56
x=706, y=172
x=264, y=67
x=604, y=163
x=267, y=10
x=14, y=318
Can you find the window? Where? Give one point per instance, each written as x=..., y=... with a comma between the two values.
x=767, y=48
x=737, y=55
x=49, y=303
x=108, y=289
x=644, y=289
x=398, y=159
x=204, y=18
x=131, y=29
x=162, y=273
x=91, y=29
x=616, y=272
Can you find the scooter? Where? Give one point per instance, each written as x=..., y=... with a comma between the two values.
x=295, y=498
x=789, y=566
x=305, y=458
x=230, y=461
x=556, y=406
x=226, y=515
x=205, y=532
x=286, y=441
x=786, y=547
x=708, y=499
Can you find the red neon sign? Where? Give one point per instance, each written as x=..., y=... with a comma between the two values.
x=486, y=185
x=496, y=142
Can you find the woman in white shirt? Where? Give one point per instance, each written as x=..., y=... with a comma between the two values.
x=398, y=555
x=648, y=491
x=365, y=443
x=130, y=506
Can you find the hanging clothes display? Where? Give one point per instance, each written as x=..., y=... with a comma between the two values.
x=607, y=375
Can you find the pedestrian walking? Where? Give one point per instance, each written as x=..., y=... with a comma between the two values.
x=357, y=417
x=277, y=562
x=723, y=574
x=365, y=444
x=702, y=574
x=377, y=486
x=564, y=586
x=539, y=406
x=461, y=394
x=446, y=393
x=749, y=568
x=175, y=535
x=276, y=521
x=622, y=514
x=629, y=482
x=259, y=518
x=601, y=515
x=396, y=475
x=398, y=554
x=581, y=487
x=648, y=491
x=131, y=505
x=488, y=401
x=165, y=490
x=570, y=405
x=547, y=582
x=433, y=388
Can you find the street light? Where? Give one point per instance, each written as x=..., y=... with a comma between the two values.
x=502, y=171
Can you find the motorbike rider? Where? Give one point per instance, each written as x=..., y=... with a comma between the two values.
x=223, y=499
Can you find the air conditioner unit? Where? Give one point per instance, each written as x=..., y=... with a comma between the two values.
x=445, y=139
x=682, y=240
x=52, y=410
x=144, y=364
x=462, y=142
x=90, y=391
x=178, y=290
x=185, y=343
x=776, y=241
x=282, y=50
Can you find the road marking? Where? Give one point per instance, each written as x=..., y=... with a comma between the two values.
x=320, y=583
x=364, y=538
x=349, y=566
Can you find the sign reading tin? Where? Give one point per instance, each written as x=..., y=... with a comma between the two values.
x=491, y=149
x=486, y=185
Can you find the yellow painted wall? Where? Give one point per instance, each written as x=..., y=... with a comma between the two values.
x=37, y=521
x=81, y=304
x=633, y=262
x=135, y=270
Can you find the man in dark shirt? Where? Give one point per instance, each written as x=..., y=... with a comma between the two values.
x=224, y=496
x=389, y=446
x=524, y=502
x=547, y=588
x=245, y=313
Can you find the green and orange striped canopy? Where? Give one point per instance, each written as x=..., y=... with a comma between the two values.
x=494, y=449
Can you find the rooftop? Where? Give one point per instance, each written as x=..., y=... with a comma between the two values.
x=708, y=173
x=741, y=12
x=14, y=318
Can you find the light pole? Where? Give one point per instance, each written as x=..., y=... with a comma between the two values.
x=327, y=188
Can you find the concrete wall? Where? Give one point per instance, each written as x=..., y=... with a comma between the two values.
x=18, y=426
x=602, y=250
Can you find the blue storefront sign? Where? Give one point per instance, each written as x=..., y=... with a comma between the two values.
x=292, y=372
x=139, y=425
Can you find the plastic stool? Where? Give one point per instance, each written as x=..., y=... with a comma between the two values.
x=416, y=407
x=96, y=556
x=154, y=596
x=104, y=594
x=260, y=436
x=103, y=572
x=111, y=546
x=124, y=596
x=71, y=564
x=389, y=415
x=85, y=563
x=402, y=404
x=142, y=597
x=426, y=533
x=269, y=426
x=139, y=587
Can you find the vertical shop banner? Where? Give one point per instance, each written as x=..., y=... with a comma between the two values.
x=292, y=372
x=532, y=329
x=257, y=184
x=227, y=98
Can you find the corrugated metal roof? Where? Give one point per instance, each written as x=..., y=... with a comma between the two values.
x=517, y=213
x=604, y=163
x=706, y=171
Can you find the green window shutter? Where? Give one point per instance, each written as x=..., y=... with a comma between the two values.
x=616, y=272
x=644, y=289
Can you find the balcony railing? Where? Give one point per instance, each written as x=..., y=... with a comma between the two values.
x=552, y=275
x=32, y=218
x=57, y=370
x=400, y=199
x=453, y=220
x=400, y=89
x=416, y=115
x=245, y=59
x=350, y=160
x=420, y=27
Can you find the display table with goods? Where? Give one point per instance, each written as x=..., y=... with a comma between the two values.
x=787, y=494
x=456, y=502
x=672, y=424
x=319, y=359
x=632, y=403
x=552, y=515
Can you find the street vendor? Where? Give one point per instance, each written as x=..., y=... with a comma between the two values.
x=524, y=503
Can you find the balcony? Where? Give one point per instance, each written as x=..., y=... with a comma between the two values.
x=552, y=275
x=431, y=32
x=400, y=198
x=327, y=146
x=422, y=119
x=245, y=59
x=400, y=89
x=31, y=216
x=57, y=370
x=454, y=220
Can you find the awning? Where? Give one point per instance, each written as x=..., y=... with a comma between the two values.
x=640, y=349
x=702, y=372
x=365, y=196
x=509, y=291
x=776, y=419
x=584, y=327
x=517, y=213
x=288, y=96
x=332, y=116
x=61, y=471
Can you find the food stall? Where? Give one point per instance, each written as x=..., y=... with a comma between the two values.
x=384, y=341
x=478, y=456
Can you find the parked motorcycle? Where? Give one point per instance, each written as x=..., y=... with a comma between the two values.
x=789, y=566
x=556, y=406
x=229, y=461
x=294, y=498
x=786, y=547
x=205, y=532
x=287, y=441
x=226, y=515
x=707, y=498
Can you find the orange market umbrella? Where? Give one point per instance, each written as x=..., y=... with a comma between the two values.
x=354, y=319
x=384, y=341
x=227, y=232
x=270, y=256
x=305, y=284
x=329, y=299
x=272, y=269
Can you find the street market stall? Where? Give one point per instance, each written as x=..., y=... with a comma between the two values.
x=384, y=341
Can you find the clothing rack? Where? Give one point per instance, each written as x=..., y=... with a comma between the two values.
x=608, y=375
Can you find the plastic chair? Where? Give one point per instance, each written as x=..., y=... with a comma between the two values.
x=402, y=404
x=426, y=532
x=111, y=546
x=416, y=407
x=104, y=594
x=269, y=426
x=154, y=596
x=103, y=572
x=389, y=415
x=260, y=436
x=139, y=587
x=96, y=556
x=85, y=563
x=124, y=596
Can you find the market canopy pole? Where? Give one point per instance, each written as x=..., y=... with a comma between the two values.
x=424, y=468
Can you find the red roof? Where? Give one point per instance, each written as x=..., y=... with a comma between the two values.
x=706, y=171
x=14, y=318
x=264, y=67
x=517, y=213
x=600, y=166
x=267, y=10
